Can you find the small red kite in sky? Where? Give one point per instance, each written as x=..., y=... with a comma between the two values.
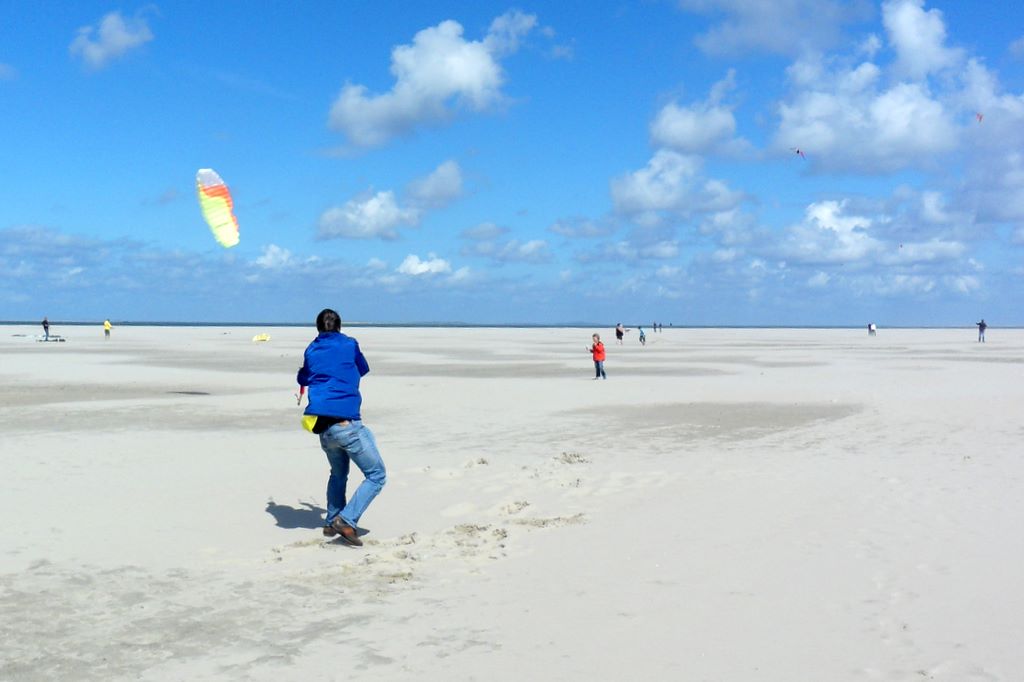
x=979, y=116
x=796, y=150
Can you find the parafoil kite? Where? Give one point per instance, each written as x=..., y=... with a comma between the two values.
x=215, y=201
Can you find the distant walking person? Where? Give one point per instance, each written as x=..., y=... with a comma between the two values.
x=619, y=333
x=332, y=368
x=46, y=329
x=106, y=330
x=643, y=337
x=872, y=329
x=597, y=351
x=981, y=330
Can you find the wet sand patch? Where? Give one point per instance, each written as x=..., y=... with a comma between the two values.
x=730, y=421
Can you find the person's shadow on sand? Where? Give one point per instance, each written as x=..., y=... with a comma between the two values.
x=290, y=517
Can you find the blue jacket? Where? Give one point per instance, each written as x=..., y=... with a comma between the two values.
x=331, y=369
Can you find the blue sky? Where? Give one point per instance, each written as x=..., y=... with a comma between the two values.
x=539, y=162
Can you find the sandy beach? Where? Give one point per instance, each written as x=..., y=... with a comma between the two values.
x=773, y=505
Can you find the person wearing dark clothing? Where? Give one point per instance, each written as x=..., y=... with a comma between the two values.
x=981, y=330
x=332, y=367
x=46, y=329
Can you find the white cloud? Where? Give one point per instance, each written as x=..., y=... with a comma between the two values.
x=507, y=30
x=845, y=120
x=628, y=251
x=964, y=284
x=380, y=214
x=376, y=216
x=913, y=112
x=898, y=285
x=919, y=38
x=484, y=231
x=699, y=127
x=439, y=188
x=668, y=272
x=831, y=234
x=658, y=186
x=376, y=264
x=1017, y=47
x=828, y=236
x=274, y=257
x=661, y=249
x=924, y=252
x=111, y=38
x=581, y=228
x=463, y=274
x=818, y=280
x=564, y=51
x=485, y=244
x=669, y=183
x=412, y=265
x=778, y=26
x=870, y=46
x=994, y=179
x=439, y=73
x=730, y=227
x=933, y=207
x=532, y=251
x=692, y=129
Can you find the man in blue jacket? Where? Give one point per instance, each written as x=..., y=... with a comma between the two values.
x=331, y=369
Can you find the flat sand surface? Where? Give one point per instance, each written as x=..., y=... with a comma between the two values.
x=776, y=505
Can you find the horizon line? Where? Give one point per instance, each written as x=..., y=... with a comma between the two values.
x=478, y=325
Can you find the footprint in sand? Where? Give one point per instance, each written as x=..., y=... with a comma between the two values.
x=515, y=507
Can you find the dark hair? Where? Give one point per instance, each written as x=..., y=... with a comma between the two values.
x=328, y=321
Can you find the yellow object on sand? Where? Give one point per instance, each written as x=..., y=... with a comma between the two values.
x=309, y=421
x=261, y=337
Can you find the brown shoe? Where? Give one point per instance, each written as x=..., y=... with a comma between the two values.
x=329, y=532
x=347, y=533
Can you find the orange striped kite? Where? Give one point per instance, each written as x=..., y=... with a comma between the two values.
x=217, y=206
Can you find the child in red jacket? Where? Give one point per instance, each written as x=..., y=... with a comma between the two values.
x=597, y=350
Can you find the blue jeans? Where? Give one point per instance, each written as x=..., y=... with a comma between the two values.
x=344, y=443
x=599, y=369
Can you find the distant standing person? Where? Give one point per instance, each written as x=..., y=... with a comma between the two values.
x=332, y=367
x=981, y=330
x=643, y=337
x=619, y=333
x=46, y=329
x=106, y=329
x=597, y=352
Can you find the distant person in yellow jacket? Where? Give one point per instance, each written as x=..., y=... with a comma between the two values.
x=106, y=329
